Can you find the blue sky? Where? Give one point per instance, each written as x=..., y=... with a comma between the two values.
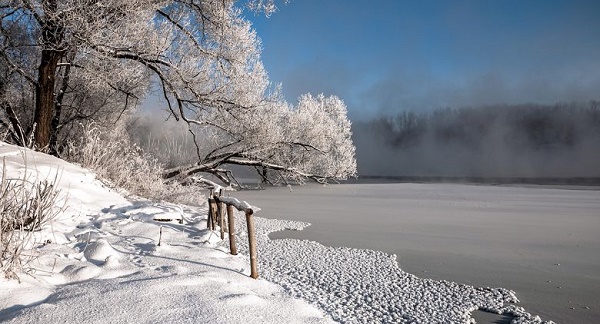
x=383, y=56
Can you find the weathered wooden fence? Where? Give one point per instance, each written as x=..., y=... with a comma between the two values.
x=217, y=207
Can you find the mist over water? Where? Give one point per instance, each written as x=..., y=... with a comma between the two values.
x=525, y=141
x=501, y=141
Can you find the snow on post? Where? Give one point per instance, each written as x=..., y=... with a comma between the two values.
x=249, y=212
x=221, y=206
x=251, y=243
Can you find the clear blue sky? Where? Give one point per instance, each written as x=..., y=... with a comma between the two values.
x=383, y=56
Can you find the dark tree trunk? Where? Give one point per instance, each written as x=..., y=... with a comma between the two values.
x=45, y=96
x=54, y=127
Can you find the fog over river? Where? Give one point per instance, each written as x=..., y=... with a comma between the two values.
x=541, y=242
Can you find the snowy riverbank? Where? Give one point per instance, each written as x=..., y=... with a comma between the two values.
x=100, y=262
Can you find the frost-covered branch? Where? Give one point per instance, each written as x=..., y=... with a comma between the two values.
x=205, y=58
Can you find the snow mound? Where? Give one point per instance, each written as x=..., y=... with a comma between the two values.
x=75, y=273
x=101, y=253
x=144, y=211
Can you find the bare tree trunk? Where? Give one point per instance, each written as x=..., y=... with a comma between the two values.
x=54, y=127
x=52, y=35
x=44, y=95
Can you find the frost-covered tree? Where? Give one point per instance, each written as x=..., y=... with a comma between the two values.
x=311, y=140
x=73, y=60
x=99, y=50
x=55, y=77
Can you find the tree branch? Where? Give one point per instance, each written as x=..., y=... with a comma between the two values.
x=211, y=167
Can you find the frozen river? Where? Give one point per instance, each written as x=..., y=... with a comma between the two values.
x=543, y=243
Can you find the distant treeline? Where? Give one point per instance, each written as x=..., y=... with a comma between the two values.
x=517, y=140
x=521, y=127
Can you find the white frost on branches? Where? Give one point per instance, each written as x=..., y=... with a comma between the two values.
x=206, y=58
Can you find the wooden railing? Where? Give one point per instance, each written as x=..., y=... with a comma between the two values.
x=217, y=206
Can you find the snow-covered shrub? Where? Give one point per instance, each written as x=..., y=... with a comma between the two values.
x=24, y=207
x=122, y=164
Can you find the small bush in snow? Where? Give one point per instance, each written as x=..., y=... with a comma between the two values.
x=24, y=207
x=120, y=162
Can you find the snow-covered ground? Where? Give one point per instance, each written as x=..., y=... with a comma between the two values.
x=100, y=262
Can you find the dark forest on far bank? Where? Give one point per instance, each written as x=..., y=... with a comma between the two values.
x=529, y=140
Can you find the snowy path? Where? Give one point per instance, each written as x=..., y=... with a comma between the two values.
x=116, y=273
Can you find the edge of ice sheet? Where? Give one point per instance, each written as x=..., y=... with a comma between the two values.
x=367, y=286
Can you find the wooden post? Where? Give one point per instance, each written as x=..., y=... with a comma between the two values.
x=221, y=215
x=232, y=246
x=159, y=235
x=216, y=196
x=208, y=219
x=212, y=213
x=222, y=220
x=251, y=243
